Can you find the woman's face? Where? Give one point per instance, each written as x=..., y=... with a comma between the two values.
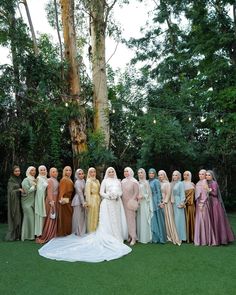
x=81, y=174
x=32, y=172
x=92, y=173
x=208, y=176
x=54, y=173
x=111, y=173
x=68, y=172
x=202, y=174
x=126, y=173
x=43, y=171
x=186, y=176
x=151, y=175
x=16, y=171
x=175, y=176
x=161, y=176
x=140, y=174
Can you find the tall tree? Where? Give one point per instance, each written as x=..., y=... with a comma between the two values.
x=77, y=124
x=99, y=11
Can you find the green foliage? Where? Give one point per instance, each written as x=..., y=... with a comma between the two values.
x=97, y=155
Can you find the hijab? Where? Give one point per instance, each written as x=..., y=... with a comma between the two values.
x=131, y=175
x=107, y=173
x=188, y=183
x=77, y=173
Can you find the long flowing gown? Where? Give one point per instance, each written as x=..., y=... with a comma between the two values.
x=111, y=193
x=94, y=247
x=14, y=208
x=178, y=196
x=203, y=232
x=144, y=213
x=171, y=231
x=190, y=212
x=27, y=203
x=222, y=230
x=158, y=226
x=64, y=220
x=50, y=225
x=93, y=200
x=130, y=191
x=39, y=207
x=78, y=218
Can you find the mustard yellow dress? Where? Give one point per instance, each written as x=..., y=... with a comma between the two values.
x=93, y=200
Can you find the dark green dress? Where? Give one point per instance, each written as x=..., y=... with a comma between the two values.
x=14, y=208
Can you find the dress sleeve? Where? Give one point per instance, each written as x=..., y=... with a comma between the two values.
x=182, y=192
x=88, y=191
x=50, y=191
x=103, y=192
x=79, y=192
x=167, y=192
x=136, y=191
x=214, y=189
x=27, y=187
x=62, y=188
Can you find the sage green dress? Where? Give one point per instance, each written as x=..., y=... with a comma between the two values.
x=14, y=208
x=27, y=203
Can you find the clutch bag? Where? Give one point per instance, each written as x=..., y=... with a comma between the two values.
x=66, y=200
x=132, y=205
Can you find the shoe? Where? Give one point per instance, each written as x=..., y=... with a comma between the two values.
x=133, y=242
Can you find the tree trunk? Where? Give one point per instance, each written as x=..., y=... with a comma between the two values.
x=77, y=125
x=100, y=93
x=36, y=50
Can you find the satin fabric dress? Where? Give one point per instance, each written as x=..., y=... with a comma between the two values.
x=14, y=209
x=27, y=203
x=50, y=225
x=39, y=207
x=178, y=196
x=111, y=193
x=158, y=226
x=221, y=226
x=64, y=221
x=78, y=218
x=203, y=232
x=130, y=190
x=171, y=231
x=93, y=200
x=190, y=212
x=144, y=213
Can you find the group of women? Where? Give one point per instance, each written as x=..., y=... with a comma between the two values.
x=86, y=221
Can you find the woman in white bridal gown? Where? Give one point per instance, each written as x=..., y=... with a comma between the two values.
x=106, y=243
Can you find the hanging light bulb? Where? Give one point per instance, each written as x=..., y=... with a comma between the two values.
x=154, y=121
x=66, y=104
x=190, y=119
x=113, y=111
x=221, y=120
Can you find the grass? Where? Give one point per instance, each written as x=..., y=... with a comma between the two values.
x=148, y=270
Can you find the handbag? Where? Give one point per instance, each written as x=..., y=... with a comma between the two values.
x=132, y=204
x=52, y=214
x=66, y=200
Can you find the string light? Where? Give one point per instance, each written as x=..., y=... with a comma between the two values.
x=190, y=119
x=66, y=104
x=221, y=120
x=154, y=121
x=113, y=111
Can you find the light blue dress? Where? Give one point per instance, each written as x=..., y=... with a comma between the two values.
x=158, y=220
x=178, y=196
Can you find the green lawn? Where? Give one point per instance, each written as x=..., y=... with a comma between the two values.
x=149, y=269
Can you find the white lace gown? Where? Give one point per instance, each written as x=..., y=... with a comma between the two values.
x=104, y=244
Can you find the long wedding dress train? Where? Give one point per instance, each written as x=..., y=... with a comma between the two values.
x=104, y=244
